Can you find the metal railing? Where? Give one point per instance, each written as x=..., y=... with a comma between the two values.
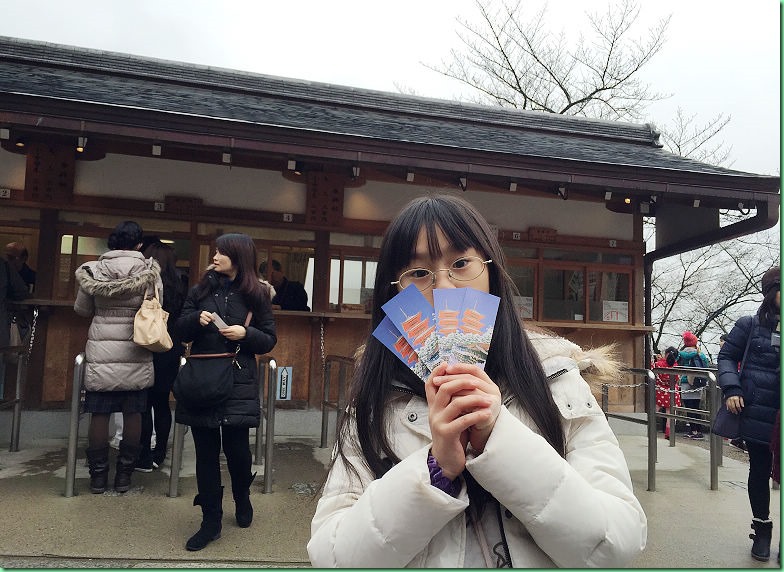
x=266, y=364
x=676, y=414
x=345, y=364
x=16, y=403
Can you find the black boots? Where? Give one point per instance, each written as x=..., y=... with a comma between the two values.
x=243, y=510
x=763, y=529
x=212, y=513
x=126, y=461
x=98, y=462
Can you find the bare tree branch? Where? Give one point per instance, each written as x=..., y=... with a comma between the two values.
x=512, y=59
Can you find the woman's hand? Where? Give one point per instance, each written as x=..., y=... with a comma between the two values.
x=464, y=404
x=735, y=404
x=234, y=333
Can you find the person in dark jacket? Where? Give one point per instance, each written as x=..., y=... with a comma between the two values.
x=754, y=393
x=12, y=289
x=289, y=294
x=165, y=364
x=230, y=288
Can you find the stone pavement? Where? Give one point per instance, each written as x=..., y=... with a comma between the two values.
x=689, y=525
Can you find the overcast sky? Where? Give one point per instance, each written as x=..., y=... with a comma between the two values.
x=720, y=56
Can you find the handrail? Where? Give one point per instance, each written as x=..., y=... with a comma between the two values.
x=338, y=405
x=651, y=418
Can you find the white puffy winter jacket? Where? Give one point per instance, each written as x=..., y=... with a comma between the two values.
x=576, y=511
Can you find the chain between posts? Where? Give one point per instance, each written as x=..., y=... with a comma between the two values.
x=32, y=335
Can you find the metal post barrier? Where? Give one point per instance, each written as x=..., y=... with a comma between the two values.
x=706, y=416
x=178, y=443
x=325, y=404
x=649, y=421
x=270, y=427
x=264, y=379
x=23, y=353
x=16, y=402
x=339, y=405
x=653, y=445
x=73, y=432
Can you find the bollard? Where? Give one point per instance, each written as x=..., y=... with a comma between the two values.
x=16, y=416
x=325, y=403
x=270, y=432
x=73, y=433
x=178, y=443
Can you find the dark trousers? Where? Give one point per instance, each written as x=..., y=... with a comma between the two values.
x=236, y=447
x=693, y=404
x=760, y=462
x=157, y=403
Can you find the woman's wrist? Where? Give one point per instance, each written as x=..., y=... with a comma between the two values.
x=439, y=480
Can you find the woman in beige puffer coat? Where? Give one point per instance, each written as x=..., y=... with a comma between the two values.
x=117, y=371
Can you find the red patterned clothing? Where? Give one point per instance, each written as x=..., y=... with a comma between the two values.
x=663, y=381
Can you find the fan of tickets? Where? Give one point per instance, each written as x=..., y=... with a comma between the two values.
x=457, y=330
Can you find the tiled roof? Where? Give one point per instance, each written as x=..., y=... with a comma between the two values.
x=97, y=77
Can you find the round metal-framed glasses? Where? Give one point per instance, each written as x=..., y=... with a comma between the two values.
x=463, y=269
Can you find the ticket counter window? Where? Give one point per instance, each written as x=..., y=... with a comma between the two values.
x=351, y=284
x=609, y=296
x=75, y=251
x=524, y=278
x=564, y=294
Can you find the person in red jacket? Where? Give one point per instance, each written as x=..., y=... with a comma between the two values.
x=664, y=385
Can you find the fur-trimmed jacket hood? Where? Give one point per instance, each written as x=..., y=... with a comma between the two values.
x=596, y=365
x=118, y=273
x=111, y=290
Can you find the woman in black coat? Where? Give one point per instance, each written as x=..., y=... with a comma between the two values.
x=755, y=395
x=165, y=364
x=231, y=289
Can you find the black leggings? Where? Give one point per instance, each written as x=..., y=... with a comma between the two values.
x=760, y=462
x=158, y=403
x=236, y=447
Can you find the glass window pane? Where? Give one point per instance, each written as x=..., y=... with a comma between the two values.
x=519, y=252
x=571, y=255
x=334, y=282
x=613, y=258
x=91, y=246
x=563, y=294
x=352, y=281
x=609, y=296
x=524, y=279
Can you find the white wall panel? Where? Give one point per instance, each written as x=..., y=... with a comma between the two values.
x=12, y=170
x=220, y=185
x=381, y=201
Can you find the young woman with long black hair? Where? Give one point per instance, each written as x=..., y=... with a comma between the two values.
x=231, y=289
x=513, y=465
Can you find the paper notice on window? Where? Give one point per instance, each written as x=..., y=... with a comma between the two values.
x=525, y=306
x=614, y=311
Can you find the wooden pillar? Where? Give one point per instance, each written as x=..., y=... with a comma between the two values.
x=49, y=178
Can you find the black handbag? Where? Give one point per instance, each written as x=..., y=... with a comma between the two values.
x=206, y=380
x=727, y=423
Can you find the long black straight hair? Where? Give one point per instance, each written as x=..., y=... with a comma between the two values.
x=512, y=362
x=242, y=252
